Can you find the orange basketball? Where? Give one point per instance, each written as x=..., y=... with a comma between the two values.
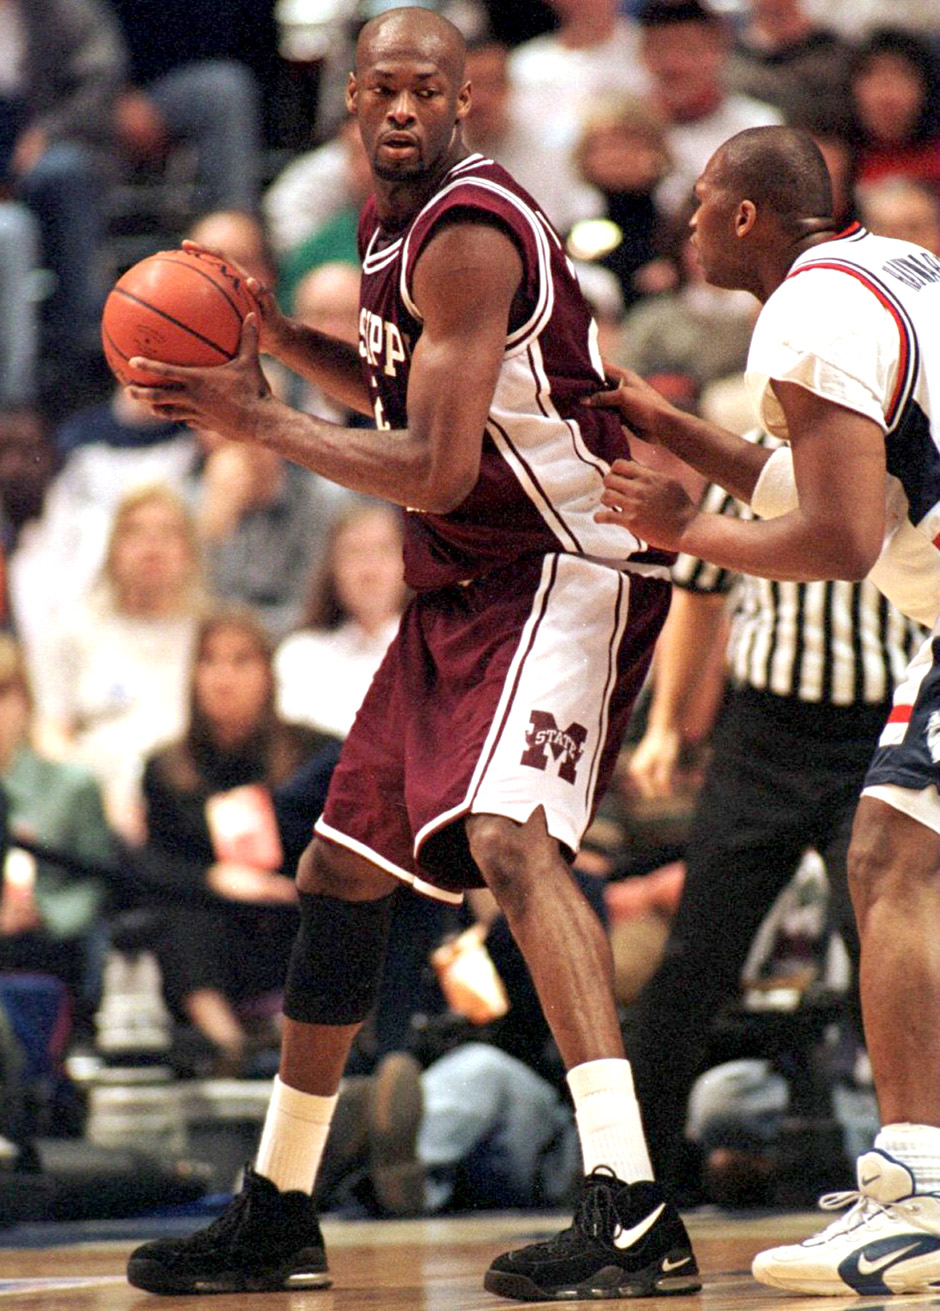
x=178, y=307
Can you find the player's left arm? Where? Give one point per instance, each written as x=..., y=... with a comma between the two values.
x=836, y=530
x=464, y=285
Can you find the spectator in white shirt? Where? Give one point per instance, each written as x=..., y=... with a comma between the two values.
x=324, y=670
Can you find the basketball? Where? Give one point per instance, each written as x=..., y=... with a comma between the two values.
x=178, y=307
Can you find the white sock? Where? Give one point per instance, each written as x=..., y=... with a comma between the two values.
x=608, y=1116
x=918, y=1147
x=294, y=1135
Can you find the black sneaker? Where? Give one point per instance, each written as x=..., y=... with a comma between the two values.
x=626, y=1241
x=263, y=1242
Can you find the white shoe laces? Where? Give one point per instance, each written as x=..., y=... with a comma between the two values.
x=863, y=1209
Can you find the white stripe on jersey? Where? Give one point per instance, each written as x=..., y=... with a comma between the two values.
x=375, y=263
x=545, y=298
x=554, y=467
x=472, y=161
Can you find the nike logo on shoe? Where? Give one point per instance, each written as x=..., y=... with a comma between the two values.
x=674, y=1265
x=627, y=1237
x=870, y=1180
x=866, y=1267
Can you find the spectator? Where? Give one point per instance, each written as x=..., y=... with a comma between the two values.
x=895, y=102
x=320, y=187
x=51, y=918
x=506, y=124
x=907, y=210
x=622, y=153
x=211, y=829
x=324, y=669
x=111, y=676
x=784, y=57
x=593, y=54
x=697, y=333
x=111, y=449
x=241, y=237
x=28, y=462
x=408, y=1140
x=856, y=18
x=20, y=282
x=684, y=48
x=261, y=522
x=327, y=298
x=189, y=85
x=63, y=63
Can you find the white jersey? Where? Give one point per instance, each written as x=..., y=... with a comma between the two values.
x=857, y=321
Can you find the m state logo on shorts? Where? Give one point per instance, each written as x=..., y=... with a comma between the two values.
x=565, y=744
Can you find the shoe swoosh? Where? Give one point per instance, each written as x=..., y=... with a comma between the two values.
x=866, y=1267
x=866, y=1182
x=674, y=1265
x=627, y=1237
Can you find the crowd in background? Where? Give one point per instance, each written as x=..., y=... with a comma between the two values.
x=191, y=622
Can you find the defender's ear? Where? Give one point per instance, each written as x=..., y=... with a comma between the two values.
x=745, y=217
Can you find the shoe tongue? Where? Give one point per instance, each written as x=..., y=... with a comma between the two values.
x=883, y=1178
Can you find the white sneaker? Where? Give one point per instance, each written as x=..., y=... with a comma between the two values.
x=888, y=1242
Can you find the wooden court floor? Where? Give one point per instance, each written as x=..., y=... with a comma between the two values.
x=422, y=1265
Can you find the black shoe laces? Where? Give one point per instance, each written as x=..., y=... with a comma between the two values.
x=226, y=1226
x=596, y=1214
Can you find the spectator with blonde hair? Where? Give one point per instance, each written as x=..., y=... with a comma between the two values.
x=111, y=677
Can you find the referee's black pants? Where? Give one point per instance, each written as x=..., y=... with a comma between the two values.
x=784, y=775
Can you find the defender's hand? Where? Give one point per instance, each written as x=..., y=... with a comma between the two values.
x=653, y=507
x=642, y=409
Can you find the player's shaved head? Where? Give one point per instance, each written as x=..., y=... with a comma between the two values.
x=778, y=168
x=410, y=32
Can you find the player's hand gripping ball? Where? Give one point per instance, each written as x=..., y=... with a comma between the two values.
x=178, y=307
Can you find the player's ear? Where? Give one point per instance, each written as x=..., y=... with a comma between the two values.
x=464, y=101
x=352, y=93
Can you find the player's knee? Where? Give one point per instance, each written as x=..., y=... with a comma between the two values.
x=330, y=871
x=876, y=866
x=506, y=857
x=336, y=962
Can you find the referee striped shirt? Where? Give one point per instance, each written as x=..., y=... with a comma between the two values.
x=839, y=643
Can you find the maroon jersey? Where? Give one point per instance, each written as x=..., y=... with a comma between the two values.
x=544, y=453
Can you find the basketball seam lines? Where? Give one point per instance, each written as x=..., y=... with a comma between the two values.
x=185, y=264
x=138, y=300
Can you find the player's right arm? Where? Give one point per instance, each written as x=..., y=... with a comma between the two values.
x=464, y=284
x=835, y=530
x=326, y=361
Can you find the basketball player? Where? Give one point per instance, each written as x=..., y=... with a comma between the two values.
x=845, y=364
x=491, y=728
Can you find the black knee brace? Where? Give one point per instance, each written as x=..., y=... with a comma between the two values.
x=337, y=958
